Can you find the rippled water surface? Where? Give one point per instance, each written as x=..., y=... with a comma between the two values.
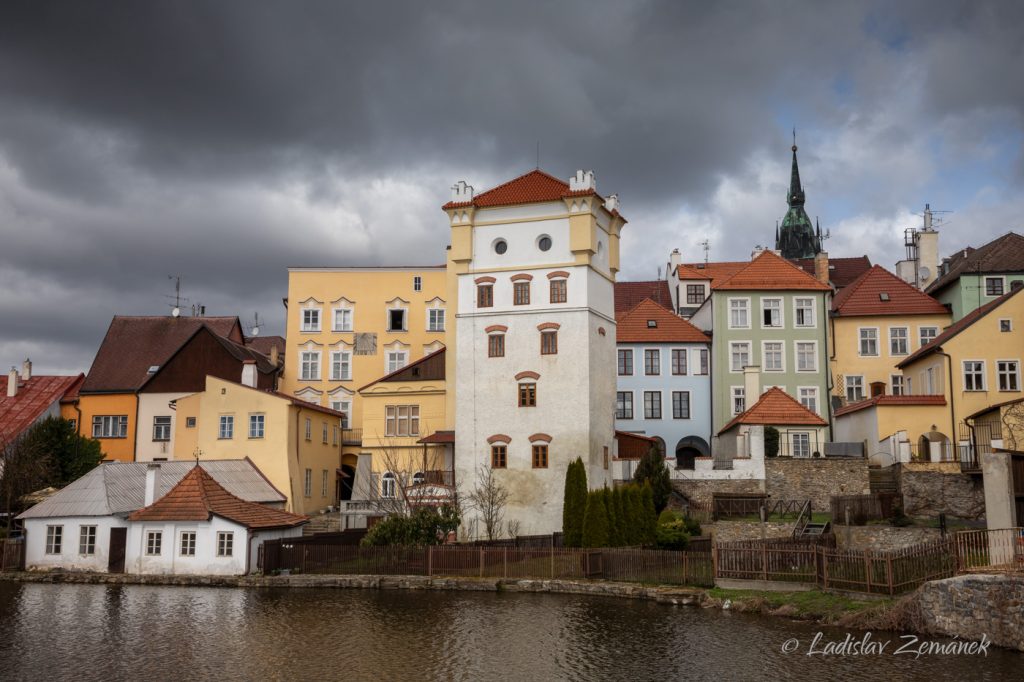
x=90, y=632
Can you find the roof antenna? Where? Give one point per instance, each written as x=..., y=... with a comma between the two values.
x=178, y=300
x=538, y=154
x=255, y=331
x=707, y=247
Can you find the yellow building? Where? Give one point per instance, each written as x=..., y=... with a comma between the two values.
x=877, y=321
x=295, y=444
x=348, y=326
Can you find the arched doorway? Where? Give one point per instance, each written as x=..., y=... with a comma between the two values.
x=689, y=449
x=934, y=446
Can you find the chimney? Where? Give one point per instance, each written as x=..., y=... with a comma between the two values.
x=249, y=373
x=611, y=204
x=582, y=181
x=751, y=384
x=12, y=383
x=26, y=370
x=674, y=259
x=152, y=480
x=758, y=250
x=821, y=267
x=461, y=192
x=275, y=356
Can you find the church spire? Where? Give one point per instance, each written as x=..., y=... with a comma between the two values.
x=796, y=191
x=796, y=238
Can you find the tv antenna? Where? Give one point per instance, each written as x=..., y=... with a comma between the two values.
x=706, y=245
x=178, y=300
x=254, y=330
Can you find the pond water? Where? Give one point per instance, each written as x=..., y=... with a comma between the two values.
x=92, y=632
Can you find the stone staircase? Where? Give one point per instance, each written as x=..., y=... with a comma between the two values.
x=323, y=523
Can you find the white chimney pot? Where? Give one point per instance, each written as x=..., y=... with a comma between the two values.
x=12, y=383
x=152, y=479
x=26, y=369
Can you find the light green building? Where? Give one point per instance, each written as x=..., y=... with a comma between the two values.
x=970, y=278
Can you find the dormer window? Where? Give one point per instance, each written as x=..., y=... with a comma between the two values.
x=884, y=296
x=652, y=324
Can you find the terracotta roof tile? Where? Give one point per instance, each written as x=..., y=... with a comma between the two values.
x=529, y=188
x=1003, y=254
x=34, y=397
x=771, y=271
x=635, y=326
x=197, y=497
x=716, y=272
x=879, y=292
x=841, y=271
x=629, y=294
x=264, y=344
x=776, y=407
x=912, y=400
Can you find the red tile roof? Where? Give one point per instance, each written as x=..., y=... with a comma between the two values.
x=439, y=437
x=34, y=398
x=529, y=188
x=776, y=407
x=911, y=400
x=635, y=326
x=629, y=294
x=633, y=445
x=841, y=271
x=958, y=326
x=716, y=272
x=771, y=271
x=865, y=297
x=1003, y=254
x=299, y=402
x=198, y=497
x=263, y=344
x=134, y=344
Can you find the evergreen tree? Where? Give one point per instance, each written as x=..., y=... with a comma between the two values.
x=614, y=521
x=618, y=496
x=648, y=517
x=595, y=521
x=652, y=470
x=631, y=514
x=70, y=456
x=574, y=504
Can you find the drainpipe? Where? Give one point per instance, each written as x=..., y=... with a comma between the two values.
x=828, y=369
x=248, y=551
x=949, y=389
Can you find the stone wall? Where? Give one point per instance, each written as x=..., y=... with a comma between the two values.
x=973, y=606
x=816, y=479
x=882, y=538
x=930, y=489
x=730, y=531
x=700, y=491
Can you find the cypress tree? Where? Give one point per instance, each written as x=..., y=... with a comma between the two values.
x=574, y=503
x=629, y=515
x=652, y=470
x=614, y=521
x=595, y=521
x=648, y=516
x=619, y=495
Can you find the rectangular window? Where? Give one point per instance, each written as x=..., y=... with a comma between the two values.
x=974, y=375
x=499, y=456
x=801, y=445
x=803, y=311
x=739, y=401
x=161, y=428
x=323, y=483
x=927, y=334
x=527, y=395
x=625, y=362
x=485, y=296
x=993, y=286
x=87, y=540
x=739, y=354
x=549, y=342
x=703, y=353
x=854, y=388
x=624, y=405
x=540, y=456
x=310, y=320
x=54, y=539
x=188, y=543
x=310, y=366
x=694, y=294
x=402, y=420
x=680, y=404
x=396, y=360
x=652, y=362
x=496, y=346
x=154, y=541
x=334, y=435
x=899, y=340
x=869, y=341
x=806, y=356
x=307, y=487
x=343, y=320
x=396, y=320
x=417, y=283
x=190, y=422
x=110, y=426
x=739, y=313
x=309, y=429
x=773, y=356
x=1005, y=325
x=809, y=398
x=1009, y=375
x=559, y=291
x=227, y=427
x=679, y=361
x=257, y=422
x=521, y=293
x=341, y=365
x=435, y=319
x=896, y=381
x=225, y=544
x=324, y=430
x=345, y=407
x=652, y=404
x=771, y=312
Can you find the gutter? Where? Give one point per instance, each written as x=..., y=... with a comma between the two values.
x=949, y=389
x=828, y=369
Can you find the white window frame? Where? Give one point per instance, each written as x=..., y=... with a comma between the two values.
x=813, y=309
x=1002, y=285
x=310, y=320
x=980, y=370
x=55, y=539
x=405, y=320
x=110, y=426
x=345, y=325
x=323, y=483
x=812, y=397
x=433, y=315
x=225, y=543
x=388, y=485
x=402, y=421
x=732, y=307
x=154, y=545
x=87, y=540
x=897, y=387
x=309, y=365
x=257, y=425
x=389, y=366
x=737, y=399
x=344, y=406
x=307, y=483
x=860, y=385
x=1014, y=375
x=814, y=356
x=920, y=334
x=732, y=346
x=780, y=307
x=782, y=356
x=795, y=449
x=341, y=365
x=226, y=427
x=309, y=429
x=417, y=283
x=861, y=339
x=162, y=429
x=187, y=543
x=1008, y=325
x=892, y=341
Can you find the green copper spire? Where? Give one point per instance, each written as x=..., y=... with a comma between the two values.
x=796, y=238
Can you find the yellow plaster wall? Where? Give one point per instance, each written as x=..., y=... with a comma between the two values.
x=914, y=419
x=403, y=453
x=119, y=449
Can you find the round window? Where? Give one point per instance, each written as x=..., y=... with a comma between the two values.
x=500, y=246
x=544, y=243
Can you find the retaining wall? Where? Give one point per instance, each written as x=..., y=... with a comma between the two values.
x=816, y=479
x=933, y=488
x=882, y=538
x=970, y=606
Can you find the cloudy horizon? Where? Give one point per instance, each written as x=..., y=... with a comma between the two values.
x=226, y=141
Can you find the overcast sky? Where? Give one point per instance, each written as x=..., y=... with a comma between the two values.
x=225, y=141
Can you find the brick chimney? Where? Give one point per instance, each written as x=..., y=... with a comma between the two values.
x=26, y=370
x=821, y=267
x=12, y=383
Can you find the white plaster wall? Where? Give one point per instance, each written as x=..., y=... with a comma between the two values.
x=69, y=559
x=153, y=405
x=170, y=561
x=522, y=243
x=861, y=425
x=580, y=291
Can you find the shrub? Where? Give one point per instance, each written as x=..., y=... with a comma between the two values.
x=771, y=441
x=574, y=504
x=652, y=471
x=631, y=513
x=425, y=526
x=648, y=517
x=595, y=521
x=672, y=535
x=899, y=518
x=692, y=526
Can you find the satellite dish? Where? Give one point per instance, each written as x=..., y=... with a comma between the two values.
x=175, y=312
x=255, y=331
x=925, y=272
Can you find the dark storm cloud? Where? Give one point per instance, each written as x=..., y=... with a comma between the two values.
x=226, y=140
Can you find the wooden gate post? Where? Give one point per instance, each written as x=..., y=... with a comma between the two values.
x=888, y=574
x=867, y=569
x=764, y=561
x=430, y=561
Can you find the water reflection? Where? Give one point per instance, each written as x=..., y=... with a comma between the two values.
x=76, y=632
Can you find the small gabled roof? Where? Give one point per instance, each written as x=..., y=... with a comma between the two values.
x=880, y=292
x=1003, y=254
x=994, y=406
x=198, y=497
x=428, y=368
x=633, y=445
x=715, y=272
x=264, y=344
x=958, y=326
x=649, y=322
x=629, y=294
x=533, y=187
x=34, y=398
x=771, y=271
x=776, y=407
x=841, y=271
x=897, y=400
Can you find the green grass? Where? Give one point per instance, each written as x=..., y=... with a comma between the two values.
x=810, y=604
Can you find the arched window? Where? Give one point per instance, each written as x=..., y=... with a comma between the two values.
x=388, y=485
x=419, y=478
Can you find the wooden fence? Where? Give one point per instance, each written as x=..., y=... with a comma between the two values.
x=864, y=508
x=12, y=554
x=733, y=505
x=1001, y=550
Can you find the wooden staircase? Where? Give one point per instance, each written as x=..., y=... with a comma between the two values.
x=806, y=528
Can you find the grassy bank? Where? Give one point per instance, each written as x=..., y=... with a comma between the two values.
x=822, y=607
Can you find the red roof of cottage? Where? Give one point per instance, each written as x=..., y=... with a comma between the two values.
x=771, y=271
x=198, y=497
x=649, y=322
x=911, y=400
x=776, y=407
x=716, y=272
x=430, y=367
x=34, y=397
x=879, y=292
x=629, y=294
x=841, y=271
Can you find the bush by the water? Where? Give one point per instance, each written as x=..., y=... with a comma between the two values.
x=675, y=530
x=425, y=526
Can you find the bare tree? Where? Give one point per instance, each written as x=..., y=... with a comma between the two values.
x=1012, y=420
x=488, y=497
x=402, y=462
x=23, y=469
